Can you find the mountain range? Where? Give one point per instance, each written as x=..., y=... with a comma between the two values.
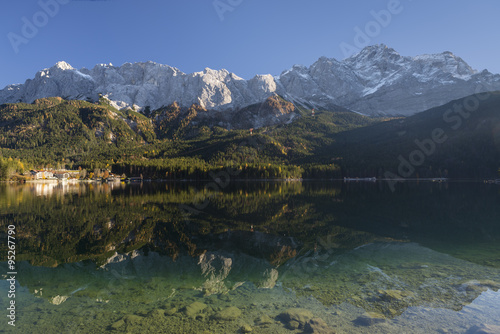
x=376, y=81
x=153, y=120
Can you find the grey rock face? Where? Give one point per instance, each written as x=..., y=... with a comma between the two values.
x=378, y=80
x=375, y=81
x=143, y=84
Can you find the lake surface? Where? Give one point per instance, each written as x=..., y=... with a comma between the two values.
x=273, y=257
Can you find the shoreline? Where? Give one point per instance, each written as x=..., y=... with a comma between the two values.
x=349, y=180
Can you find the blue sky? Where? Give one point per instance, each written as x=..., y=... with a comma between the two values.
x=246, y=37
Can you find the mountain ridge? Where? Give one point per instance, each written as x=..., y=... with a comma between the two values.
x=376, y=81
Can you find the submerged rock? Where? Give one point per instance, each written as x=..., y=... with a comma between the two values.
x=157, y=313
x=58, y=300
x=370, y=318
x=193, y=309
x=117, y=325
x=263, y=320
x=230, y=313
x=246, y=328
x=172, y=311
x=484, y=329
x=318, y=326
x=133, y=319
x=296, y=317
x=490, y=284
x=393, y=295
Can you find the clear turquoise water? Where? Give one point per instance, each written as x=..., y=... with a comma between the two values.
x=126, y=259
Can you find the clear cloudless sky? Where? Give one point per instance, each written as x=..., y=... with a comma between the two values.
x=246, y=37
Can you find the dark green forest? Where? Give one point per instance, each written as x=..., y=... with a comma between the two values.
x=183, y=143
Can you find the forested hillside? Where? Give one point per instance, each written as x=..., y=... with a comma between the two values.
x=178, y=143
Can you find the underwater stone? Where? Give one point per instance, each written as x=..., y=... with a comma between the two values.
x=263, y=320
x=193, y=309
x=117, y=325
x=229, y=313
x=296, y=316
x=370, y=318
x=394, y=294
x=490, y=284
x=246, y=328
x=158, y=313
x=393, y=312
x=317, y=326
x=132, y=319
x=484, y=329
x=172, y=311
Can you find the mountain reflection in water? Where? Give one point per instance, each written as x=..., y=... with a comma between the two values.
x=359, y=257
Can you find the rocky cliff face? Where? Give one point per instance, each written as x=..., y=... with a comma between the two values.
x=377, y=80
x=143, y=84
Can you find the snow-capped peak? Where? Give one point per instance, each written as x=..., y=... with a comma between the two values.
x=377, y=80
x=105, y=65
x=62, y=65
x=375, y=53
x=377, y=48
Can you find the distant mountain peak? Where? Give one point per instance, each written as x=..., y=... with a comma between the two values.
x=62, y=65
x=375, y=48
x=104, y=65
x=374, y=52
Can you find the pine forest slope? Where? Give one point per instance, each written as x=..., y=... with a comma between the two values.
x=460, y=139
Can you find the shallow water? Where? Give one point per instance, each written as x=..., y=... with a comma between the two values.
x=187, y=258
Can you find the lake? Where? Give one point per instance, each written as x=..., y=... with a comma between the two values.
x=265, y=257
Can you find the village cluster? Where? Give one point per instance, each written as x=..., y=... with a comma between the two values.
x=71, y=175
